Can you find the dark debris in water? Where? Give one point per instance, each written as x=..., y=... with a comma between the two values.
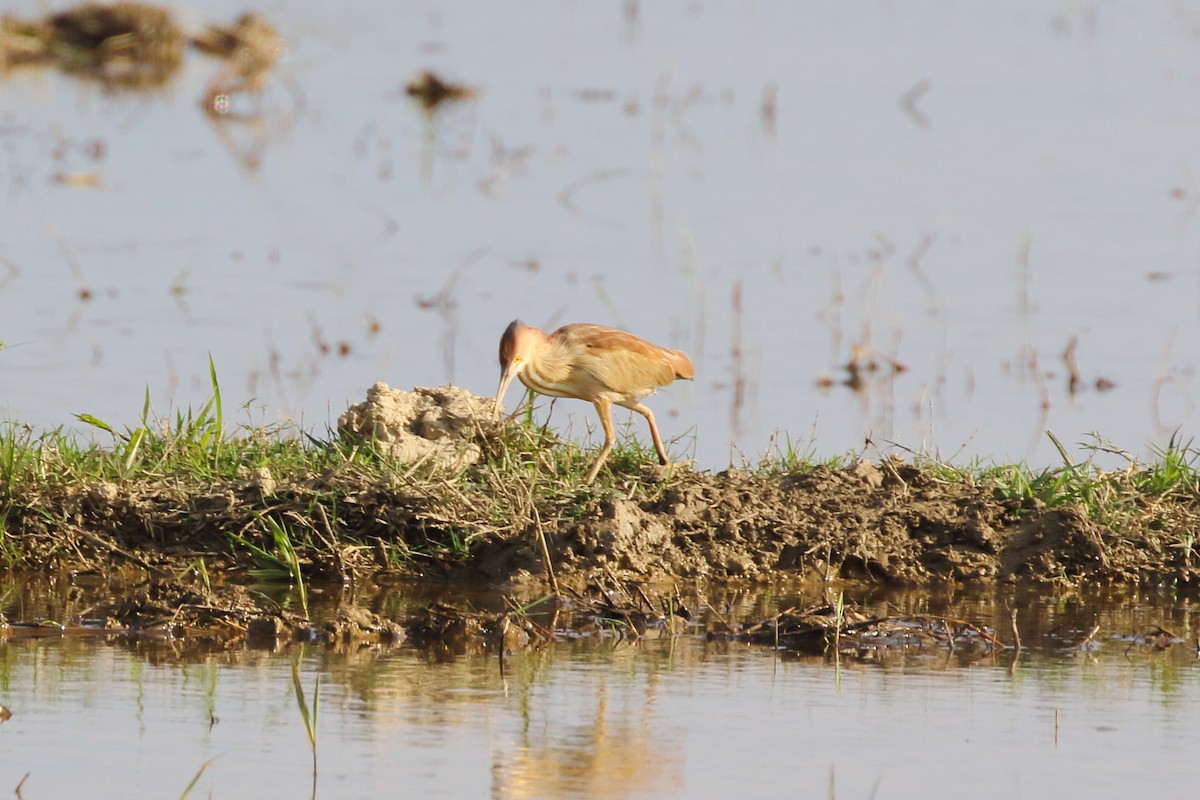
x=131, y=45
x=825, y=629
x=430, y=90
x=127, y=45
x=169, y=608
x=249, y=49
x=357, y=626
x=462, y=631
x=601, y=610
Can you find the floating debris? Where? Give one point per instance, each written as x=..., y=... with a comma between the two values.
x=454, y=631
x=86, y=180
x=134, y=45
x=126, y=45
x=865, y=361
x=358, y=626
x=250, y=47
x=826, y=629
x=430, y=90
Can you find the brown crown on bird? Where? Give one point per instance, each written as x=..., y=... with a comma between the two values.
x=595, y=363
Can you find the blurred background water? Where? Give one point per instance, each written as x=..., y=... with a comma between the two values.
x=989, y=209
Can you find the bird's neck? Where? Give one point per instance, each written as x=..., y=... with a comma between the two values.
x=550, y=364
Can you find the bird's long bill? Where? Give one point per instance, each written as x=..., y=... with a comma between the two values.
x=505, y=379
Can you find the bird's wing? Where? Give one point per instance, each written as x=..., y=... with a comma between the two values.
x=621, y=362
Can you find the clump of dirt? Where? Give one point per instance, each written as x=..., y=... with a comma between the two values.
x=847, y=631
x=358, y=626
x=438, y=425
x=176, y=609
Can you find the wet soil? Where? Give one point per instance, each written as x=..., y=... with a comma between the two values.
x=891, y=523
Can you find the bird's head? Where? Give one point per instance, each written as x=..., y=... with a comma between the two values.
x=517, y=346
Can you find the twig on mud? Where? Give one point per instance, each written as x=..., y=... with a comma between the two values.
x=888, y=465
x=330, y=542
x=827, y=579
x=963, y=625
x=681, y=610
x=645, y=599
x=712, y=610
x=838, y=618
x=522, y=611
x=1087, y=640
x=541, y=532
x=112, y=548
x=616, y=584
x=950, y=634
x=758, y=626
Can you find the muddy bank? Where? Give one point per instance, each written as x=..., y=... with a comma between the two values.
x=891, y=523
x=427, y=484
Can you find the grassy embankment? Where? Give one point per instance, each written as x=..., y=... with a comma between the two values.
x=277, y=503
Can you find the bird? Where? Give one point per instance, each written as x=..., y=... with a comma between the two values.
x=595, y=363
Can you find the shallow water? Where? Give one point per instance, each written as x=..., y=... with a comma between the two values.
x=661, y=716
x=962, y=188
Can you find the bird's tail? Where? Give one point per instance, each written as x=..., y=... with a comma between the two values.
x=682, y=365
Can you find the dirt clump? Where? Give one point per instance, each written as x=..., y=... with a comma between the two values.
x=354, y=625
x=425, y=424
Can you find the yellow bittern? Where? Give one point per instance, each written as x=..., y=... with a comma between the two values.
x=594, y=363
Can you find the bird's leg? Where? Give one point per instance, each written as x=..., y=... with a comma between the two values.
x=649, y=415
x=604, y=409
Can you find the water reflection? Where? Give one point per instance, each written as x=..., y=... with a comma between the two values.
x=593, y=715
x=611, y=751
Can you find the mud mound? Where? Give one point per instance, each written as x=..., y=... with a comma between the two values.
x=893, y=523
x=435, y=424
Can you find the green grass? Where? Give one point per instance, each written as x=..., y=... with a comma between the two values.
x=1113, y=496
x=308, y=716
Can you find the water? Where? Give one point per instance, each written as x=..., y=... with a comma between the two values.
x=964, y=189
x=590, y=717
x=746, y=181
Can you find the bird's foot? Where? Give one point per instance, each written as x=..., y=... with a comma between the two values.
x=662, y=472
